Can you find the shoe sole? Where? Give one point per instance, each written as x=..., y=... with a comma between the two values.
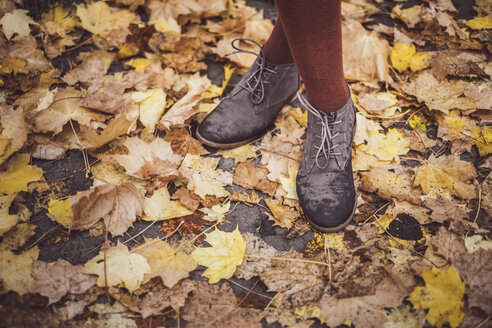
x=239, y=143
x=337, y=228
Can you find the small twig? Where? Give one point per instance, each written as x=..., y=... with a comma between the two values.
x=327, y=250
x=44, y=235
x=279, y=154
x=138, y=234
x=76, y=172
x=287, y=259
x=376, y=212
x=248, y=293
x=478, y=208
x=159, y=239
x=483, y=322
x=78, y=45
x=199, y=235
x=252, y=291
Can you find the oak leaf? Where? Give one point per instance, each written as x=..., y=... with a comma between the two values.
x=117, y=265
x=225, y=254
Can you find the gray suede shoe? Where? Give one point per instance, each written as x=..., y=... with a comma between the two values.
x=325, y=183
x=252, y=106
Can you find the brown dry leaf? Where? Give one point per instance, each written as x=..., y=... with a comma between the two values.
x=299, y=282
x=160, y=298
x=187, y=198
x=420, y=213
x=446, y=175
x=26, y=48
x=212, y=306
x=182, y=143
x=283, y=215
x=457, y=63
x=13, y=131
x=165, y=262
x=154, y=76
x=149, y=160
x=362, y=311
x=253, y=266
x=94, y=65
x=239, y=154
x=187, y=225
x=183, y=108
x=444, y=209
x=365, y=54
x=57, y=279
x=66, y=107
x=251, y=176
x=446, y=95
x=49, y=149
x=118, y=205
x=389, y=185
x=105, y=94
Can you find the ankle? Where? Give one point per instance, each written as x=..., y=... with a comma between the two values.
x=331, y=101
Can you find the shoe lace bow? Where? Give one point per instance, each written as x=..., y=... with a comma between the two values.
x=255, y=84
x=327, y=122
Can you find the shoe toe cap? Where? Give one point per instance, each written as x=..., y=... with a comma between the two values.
x=327, y=207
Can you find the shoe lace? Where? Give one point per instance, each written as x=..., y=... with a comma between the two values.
x=327, y=122
x=255, y=84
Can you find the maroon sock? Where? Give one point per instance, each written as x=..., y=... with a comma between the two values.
x=313, y=30
x=276, y=48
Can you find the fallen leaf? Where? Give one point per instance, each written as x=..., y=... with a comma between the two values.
x=182, y=143
x=150, y=104
x=18, y=235
x=239, y=154
x=161, y=207
x=225, y=254
x=16, y=22
x=282, y=215
x=13, y=131
x=217, y=212
x=477, y=23
x=119, y=206
x=15, y=270
x=18, y=174
x=165, y=262
x=117, y=265
x=386, y=147
x=57, y=279
x=100, y=19
x=7, y=221
x=262, y=252
x=442, y=296
x=404, y=56
x=410, y=16
x=446, y=174
x=251, y=176
x=187, y=198
x=211, y=306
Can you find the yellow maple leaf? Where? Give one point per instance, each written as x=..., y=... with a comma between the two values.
x=239, y=154
x=442, y=296
x=161, y=207
x=226, y=253
x=165, y=262
x=16, y=22
x=18, y=174
x=446, y=175
x=387, y=146
x=15, y=270
x=100, y=19
x=478, y=23
x=404, y=56
x=121, y=267
x=167, y=25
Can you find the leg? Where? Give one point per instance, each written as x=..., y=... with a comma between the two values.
x=313, y=30
x=276, y=48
